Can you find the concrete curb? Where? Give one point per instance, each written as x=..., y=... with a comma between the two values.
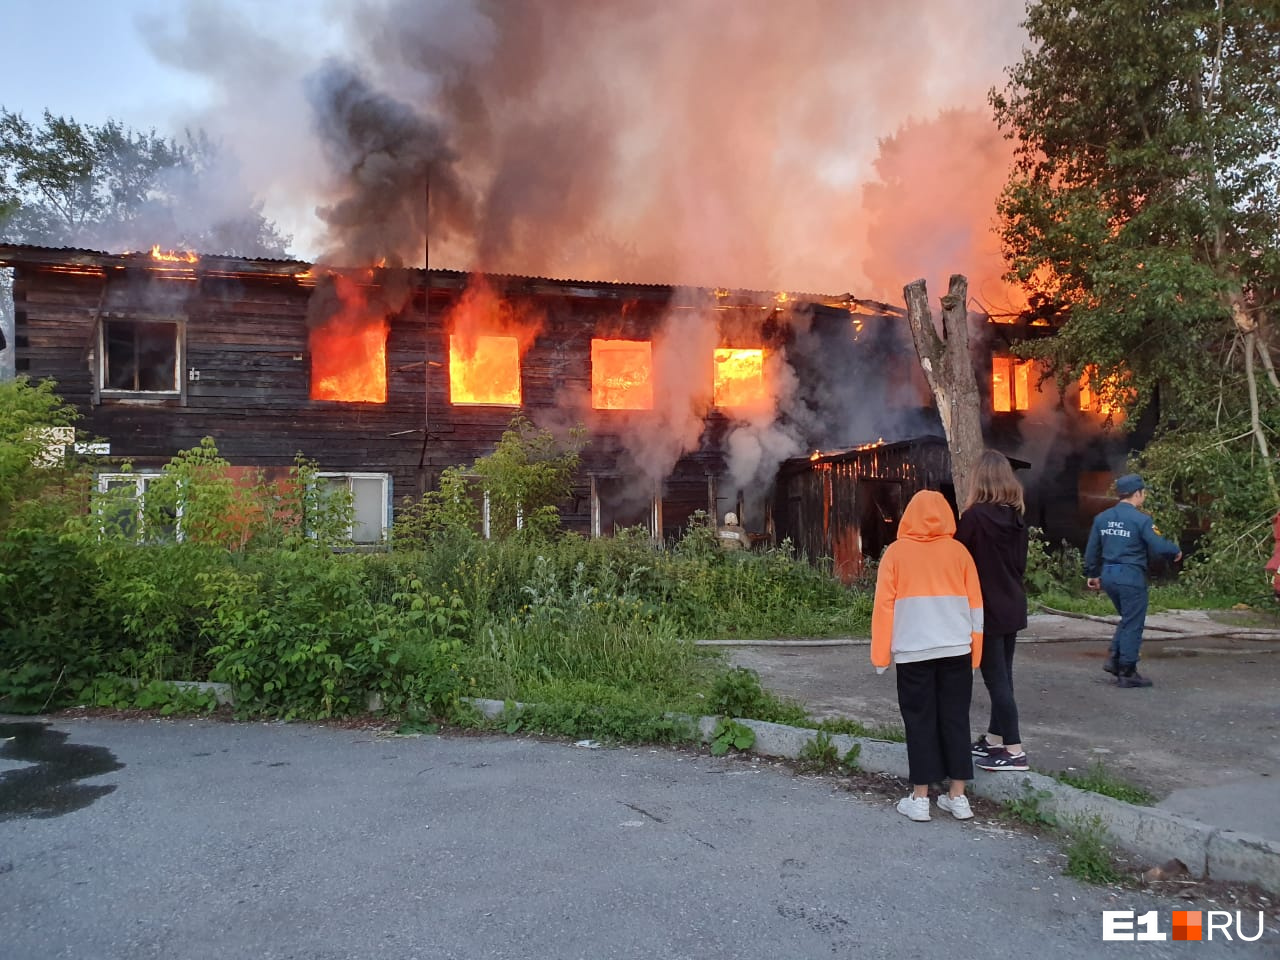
x=1155, y=835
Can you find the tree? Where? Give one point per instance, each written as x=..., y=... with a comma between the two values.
x=109, y=187
x=944, y=357
x=1143, y=208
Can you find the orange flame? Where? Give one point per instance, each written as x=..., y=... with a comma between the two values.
x=1113, y=390
x=739, y=378
x=174, y=256
x=1010, y=384
x=349, y=350
x=487, y=372
x=622, y=374
x=349, y=365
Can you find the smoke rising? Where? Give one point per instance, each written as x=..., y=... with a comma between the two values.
x=817, y=145
x=690, y=142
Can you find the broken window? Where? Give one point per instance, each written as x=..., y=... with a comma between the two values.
x=1113, y=390
x=484, y=369
x=621, y=374
x=349, y=365
x=140, y=356
x=739, y=377
x=370, y=503
x=1010, y=384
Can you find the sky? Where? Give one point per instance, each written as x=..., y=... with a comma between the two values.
x=811, y=145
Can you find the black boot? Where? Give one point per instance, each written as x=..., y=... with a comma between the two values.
x=1129, y=677
x=1112, y=664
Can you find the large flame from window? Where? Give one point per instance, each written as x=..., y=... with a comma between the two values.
x=739, y=378
x=484, y=369
x=622, y=374
x=1010, y=384
x=349, y=349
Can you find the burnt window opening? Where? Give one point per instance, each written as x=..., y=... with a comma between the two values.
x=1010, y=384
x=140, y=356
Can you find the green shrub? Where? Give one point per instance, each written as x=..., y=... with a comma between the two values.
x=738, y=693
x=731, y=735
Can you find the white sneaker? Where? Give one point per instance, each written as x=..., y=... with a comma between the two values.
x=958, y=807
x=915, y=808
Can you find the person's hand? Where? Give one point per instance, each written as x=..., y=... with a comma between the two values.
x=880, y=670
x=1178, y=557
x=1094, y=583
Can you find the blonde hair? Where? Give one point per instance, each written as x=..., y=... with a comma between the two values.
x=993, y=482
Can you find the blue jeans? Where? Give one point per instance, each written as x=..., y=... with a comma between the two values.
x=1130, y=600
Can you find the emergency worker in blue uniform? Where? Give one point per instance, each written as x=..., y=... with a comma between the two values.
x=1116, y=561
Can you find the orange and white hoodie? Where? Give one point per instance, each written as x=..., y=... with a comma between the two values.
x=928, y=599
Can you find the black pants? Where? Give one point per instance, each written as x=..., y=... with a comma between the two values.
x=997, y=673
x=934, y=696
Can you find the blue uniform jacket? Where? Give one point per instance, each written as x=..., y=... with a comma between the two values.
x=1119, y=542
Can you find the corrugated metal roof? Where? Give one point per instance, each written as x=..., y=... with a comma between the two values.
x=13, y=252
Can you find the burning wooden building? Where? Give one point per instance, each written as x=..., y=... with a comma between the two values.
x=691, y=399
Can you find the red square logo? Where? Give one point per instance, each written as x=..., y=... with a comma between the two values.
x=1186, y=925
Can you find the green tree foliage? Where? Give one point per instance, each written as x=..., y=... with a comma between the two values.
x=66, y=183
x=528, y=474
x=1145, y=192
x=36, y=473
x=1142, y=213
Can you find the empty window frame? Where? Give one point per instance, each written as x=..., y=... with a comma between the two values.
x=140, y=357
x=370, y=503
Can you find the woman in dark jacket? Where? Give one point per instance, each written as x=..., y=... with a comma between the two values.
x=993, y=530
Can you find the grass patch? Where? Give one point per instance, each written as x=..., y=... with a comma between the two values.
x=1100, y=780
x=1088, y=855
x=894, y=734
x=1029, y=809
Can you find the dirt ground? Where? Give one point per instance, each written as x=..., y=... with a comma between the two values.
x=1211, y=721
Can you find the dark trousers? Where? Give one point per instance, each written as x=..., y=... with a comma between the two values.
x=1130, y=601
x=934, y=696
x=997, y=674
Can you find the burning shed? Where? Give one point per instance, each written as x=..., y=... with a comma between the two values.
x=846, y=504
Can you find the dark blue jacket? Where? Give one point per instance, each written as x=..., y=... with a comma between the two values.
x=1119, y=543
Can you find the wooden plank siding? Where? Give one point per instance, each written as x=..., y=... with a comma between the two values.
x=826, y=506
x=245, y=377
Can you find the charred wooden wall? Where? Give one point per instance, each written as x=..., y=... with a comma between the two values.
x=826, y=506
x=246, y=377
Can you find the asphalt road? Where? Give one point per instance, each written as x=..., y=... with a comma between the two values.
x=181, y=839
x=1205, y=739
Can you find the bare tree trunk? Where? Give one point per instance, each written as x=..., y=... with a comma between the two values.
x=949, y=369
x=1247, y=326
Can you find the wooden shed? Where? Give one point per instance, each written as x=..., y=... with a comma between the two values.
x=846, y=504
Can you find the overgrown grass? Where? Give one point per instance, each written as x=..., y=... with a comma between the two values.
x=1100, y=780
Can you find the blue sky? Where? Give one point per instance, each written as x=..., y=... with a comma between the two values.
x=87, y=60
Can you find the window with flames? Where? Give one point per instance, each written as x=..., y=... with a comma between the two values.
x=1010, y=384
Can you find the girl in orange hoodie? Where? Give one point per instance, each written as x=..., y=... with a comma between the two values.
x=928, y=622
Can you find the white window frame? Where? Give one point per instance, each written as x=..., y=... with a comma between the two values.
x=141, y=481
x=179, y=352
x=385, y=514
